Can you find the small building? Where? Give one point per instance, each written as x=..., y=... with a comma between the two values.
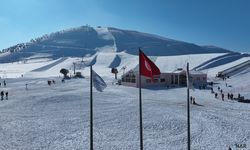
x=176, y=78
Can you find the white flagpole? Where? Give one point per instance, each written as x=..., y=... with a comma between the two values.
x=188, y=111
x=91, y=109
x=140, y=105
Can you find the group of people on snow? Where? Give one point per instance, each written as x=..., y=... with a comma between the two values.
x=230, y=96
x=51, y=81
x=6, y=93
x=192, y=100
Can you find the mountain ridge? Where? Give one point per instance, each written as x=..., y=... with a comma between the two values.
x=86, y=40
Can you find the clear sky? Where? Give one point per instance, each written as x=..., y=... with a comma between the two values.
x=223, y=23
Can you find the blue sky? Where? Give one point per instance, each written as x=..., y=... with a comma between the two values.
x=224, y=23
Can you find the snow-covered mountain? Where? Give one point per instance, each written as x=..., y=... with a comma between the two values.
x=109, y=47
x=78, y=42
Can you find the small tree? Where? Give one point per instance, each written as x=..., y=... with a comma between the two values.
x=64, y=72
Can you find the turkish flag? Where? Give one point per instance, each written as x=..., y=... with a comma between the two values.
x=147, y=67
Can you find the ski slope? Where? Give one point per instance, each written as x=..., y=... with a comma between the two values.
x=104, y=61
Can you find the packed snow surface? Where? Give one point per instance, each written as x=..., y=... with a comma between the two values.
x=57, y=117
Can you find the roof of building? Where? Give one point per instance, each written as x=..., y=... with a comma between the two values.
x=177, y=71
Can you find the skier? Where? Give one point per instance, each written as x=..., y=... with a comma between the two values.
x=2, y=94
x=222, y=96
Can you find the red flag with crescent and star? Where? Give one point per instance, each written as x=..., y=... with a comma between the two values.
x=147, y=67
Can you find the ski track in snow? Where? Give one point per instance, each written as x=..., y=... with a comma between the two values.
x=57, y=117
x=44, y=68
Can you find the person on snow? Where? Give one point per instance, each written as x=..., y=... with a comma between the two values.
x=191, y=99
x=194, y=101
x=215, y=95
x=6, y=95
x=239, y=96
x=26, y=86
x=232, y=96
x=222, y=96
x=4, y=83
x=2, y=94
x=49, y=82
x=212, y=90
